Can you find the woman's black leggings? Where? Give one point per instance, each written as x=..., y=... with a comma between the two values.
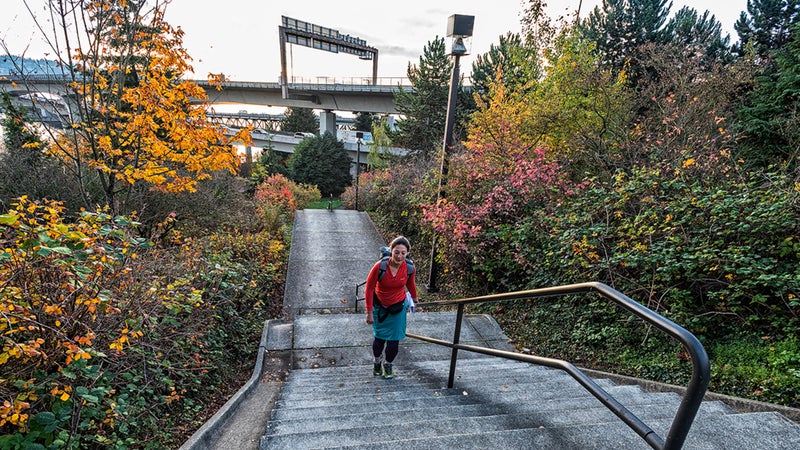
x=392, y=347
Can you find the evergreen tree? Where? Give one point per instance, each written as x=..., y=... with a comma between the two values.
x=425, y=107
x=621, y=27
x=269, y=162
x=770, y=122
x=25, y=166
x=515, y=61
x=321, y=161
x=766, y=25
x=699, y=34
x=364, y=121
x=298, y=120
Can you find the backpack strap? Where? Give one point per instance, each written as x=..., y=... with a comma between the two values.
x=382, y=268
x=385, y=263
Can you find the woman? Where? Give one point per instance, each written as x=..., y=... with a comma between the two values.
x=386, y=291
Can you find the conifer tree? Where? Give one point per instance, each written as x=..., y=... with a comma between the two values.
x=621, y=27
x=766, y=25
x=698, y=34
x=300, y=120
x=364, y=121
x=424, y=108
x=769, y=121
x=514, y=60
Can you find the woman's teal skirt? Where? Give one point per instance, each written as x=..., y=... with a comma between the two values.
x=393, y=327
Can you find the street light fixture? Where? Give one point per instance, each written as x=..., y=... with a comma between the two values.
x=459, y=29
x=359, y=136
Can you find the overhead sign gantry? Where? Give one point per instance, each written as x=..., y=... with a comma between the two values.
x=293, y=31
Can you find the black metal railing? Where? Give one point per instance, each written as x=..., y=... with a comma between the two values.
x=692, y=398
x=355, y=307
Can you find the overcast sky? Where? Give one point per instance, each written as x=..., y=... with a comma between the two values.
x=240, y=37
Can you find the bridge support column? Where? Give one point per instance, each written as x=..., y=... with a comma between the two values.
x=327, y=122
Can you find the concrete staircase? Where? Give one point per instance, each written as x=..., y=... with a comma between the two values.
x=331, y=400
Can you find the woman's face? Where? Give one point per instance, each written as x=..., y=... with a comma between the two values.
x=399, y=253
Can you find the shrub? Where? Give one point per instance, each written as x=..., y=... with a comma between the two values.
x=277, y=198
x=64, y=325
x=112, y=343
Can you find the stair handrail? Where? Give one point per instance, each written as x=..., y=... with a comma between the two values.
x=358, y=285
x=692, y=398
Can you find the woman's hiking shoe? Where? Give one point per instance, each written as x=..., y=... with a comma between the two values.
x=388, y=373
x=376, y=370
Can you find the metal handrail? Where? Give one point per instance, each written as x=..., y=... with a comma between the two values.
x=363, y=283
x=690, y=403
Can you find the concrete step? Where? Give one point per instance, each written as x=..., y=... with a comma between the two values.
x=439, y=367
x=335, y=387
x=330, y=397
x=378, y=385
x=355, y=375
x=753, y=431
x=374, y=428
x=508, y=402
x=762, y=431
x=557, y=412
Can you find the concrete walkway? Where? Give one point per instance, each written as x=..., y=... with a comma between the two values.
x=332, y=252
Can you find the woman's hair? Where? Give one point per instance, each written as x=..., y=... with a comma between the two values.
x=400, y=240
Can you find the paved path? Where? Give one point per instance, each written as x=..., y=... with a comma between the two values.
x=332, y=251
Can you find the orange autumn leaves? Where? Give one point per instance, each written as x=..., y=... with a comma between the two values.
x=138, y=120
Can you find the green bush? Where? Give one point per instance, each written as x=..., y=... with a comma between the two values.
x=765, y=368
x=714, y=258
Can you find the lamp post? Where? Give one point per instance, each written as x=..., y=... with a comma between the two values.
x=359, y=136
x=459, y=27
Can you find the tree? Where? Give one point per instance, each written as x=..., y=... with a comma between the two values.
x=581, y=110
x=537, y=28
x=621, y=27
x=300, y=120
x=686, y=110
x=269, y=162
x=499, y=178
x=321, y=161
x=25, y=166
x=769, y=120
x=698, y=34
x=424, y=108
x=379, y=155
x=136, y=123
x=515, y=63
x=766, y=26
x=364, y=121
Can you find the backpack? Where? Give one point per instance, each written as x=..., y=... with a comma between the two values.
x=386, y=254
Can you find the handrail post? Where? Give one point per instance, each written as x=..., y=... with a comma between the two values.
x=355, y=308
x=454, y=350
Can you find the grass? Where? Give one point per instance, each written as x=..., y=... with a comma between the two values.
x=331, y=203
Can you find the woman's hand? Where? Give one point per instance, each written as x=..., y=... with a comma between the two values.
x=370, y=319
